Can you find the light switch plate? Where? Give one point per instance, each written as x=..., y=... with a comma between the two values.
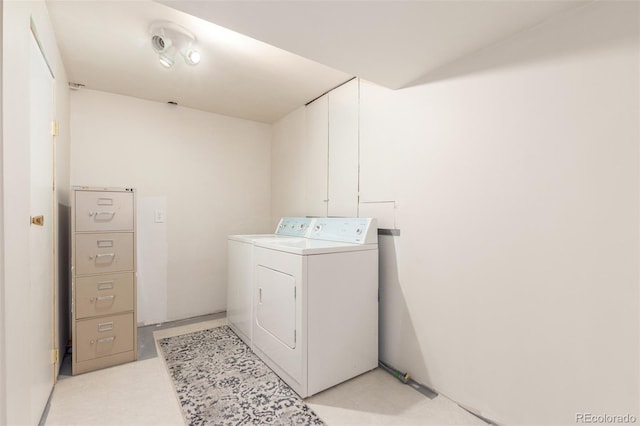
x=159, y=216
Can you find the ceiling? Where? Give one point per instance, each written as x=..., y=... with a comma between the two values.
x=105, y=45
x=389, y=42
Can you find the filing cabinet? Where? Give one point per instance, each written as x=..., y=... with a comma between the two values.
x=103, y=281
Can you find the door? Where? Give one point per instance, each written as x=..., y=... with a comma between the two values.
x=40, y=314
x=343, y=150
x=317, y=122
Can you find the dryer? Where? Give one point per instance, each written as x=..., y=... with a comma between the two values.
x=240, y=273
x=315, y=317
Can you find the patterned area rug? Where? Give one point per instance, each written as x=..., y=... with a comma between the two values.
x=220, y=381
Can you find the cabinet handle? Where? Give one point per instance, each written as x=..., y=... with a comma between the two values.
x=110, y=214
x=105, y=340
x=96, y=214
x=260, y=295
x=103, y=298
x=101, y=255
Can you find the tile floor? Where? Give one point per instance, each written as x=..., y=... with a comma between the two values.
x=141, y=393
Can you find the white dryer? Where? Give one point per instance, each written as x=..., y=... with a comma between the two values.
x=240, y=269
x=316, y=303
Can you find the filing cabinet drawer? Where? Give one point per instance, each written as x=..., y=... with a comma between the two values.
x=104, y=294
x=105, y=336
x=103, y=253
x=104, y=211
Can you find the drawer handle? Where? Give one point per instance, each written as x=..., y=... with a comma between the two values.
x=105, y=285
x=107, y=215
x=104, y=243
x=101, y=255
x=102, y=298
x=105, y=326
x=105, y=340
x=105, y=201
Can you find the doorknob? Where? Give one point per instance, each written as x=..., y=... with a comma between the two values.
x=37, y=220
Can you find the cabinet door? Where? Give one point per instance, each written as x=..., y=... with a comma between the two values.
x=104, y=336
x=104, y=253
x=317, y=123
x=343, y=150
x=104, y=211
x=105, y=294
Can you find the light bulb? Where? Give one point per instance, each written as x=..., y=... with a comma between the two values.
x=166, y=61
x=192, y=57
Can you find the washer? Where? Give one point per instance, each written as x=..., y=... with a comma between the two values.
x=316, y=303
x=240, y=269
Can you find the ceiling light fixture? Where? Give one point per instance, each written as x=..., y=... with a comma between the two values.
x=168, y=38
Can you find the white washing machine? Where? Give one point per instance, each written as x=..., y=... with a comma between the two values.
x=240, y=269
x=316, y=303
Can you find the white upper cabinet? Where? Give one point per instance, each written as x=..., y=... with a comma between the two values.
x=317, y=123
x=332, y=153
x=343, y=150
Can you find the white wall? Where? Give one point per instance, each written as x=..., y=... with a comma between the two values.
x=210, y=172
x=15, y=167
x=3, y=387
x=514, y=285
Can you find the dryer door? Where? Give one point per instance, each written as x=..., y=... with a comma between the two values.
x=276, y=309
x=278, y=332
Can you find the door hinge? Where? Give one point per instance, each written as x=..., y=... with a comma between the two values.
x=55, y=356
x=295, y=292
x=54, y=128
x=295, y=334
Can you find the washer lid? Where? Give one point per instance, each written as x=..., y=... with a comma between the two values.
x=250, y=238
x=304, y=246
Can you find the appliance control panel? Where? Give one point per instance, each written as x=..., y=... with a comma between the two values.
x=294, y=226
x=348, y=230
